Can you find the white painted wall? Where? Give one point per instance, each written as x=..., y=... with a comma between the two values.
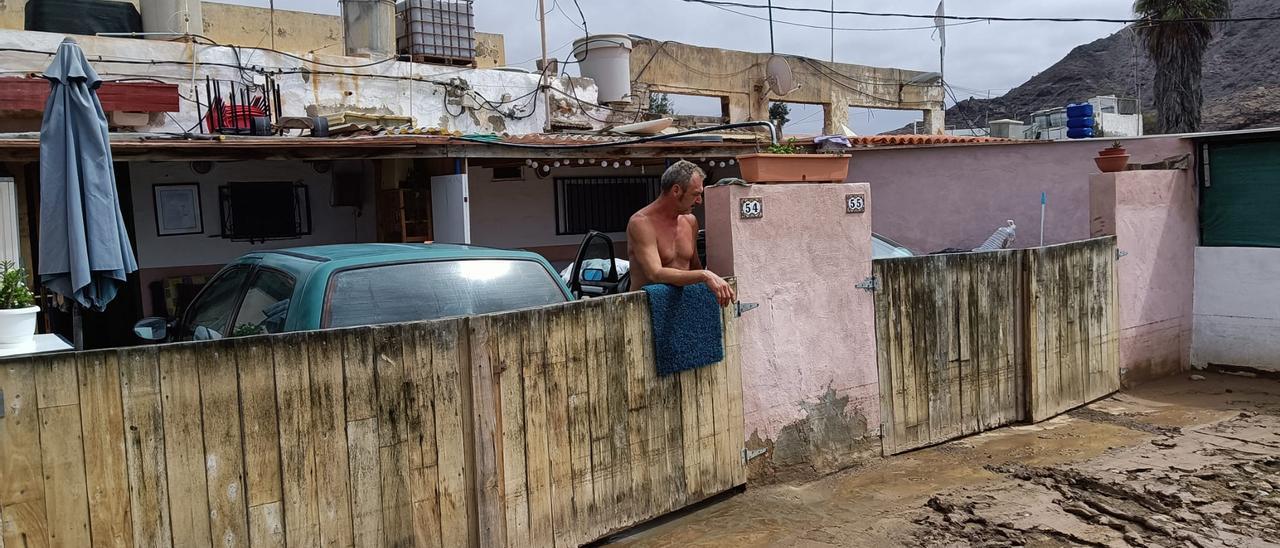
x=1237, y=308
x=329, y=225
x=405, y=89
x=1120, y=125
x=10, y=240
x=450, y=210
x=522, y=214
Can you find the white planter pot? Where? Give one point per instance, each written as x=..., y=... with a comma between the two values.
x=17, y=326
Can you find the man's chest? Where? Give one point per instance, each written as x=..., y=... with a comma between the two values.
x=676, y=246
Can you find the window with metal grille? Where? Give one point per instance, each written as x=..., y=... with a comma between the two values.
x=606, y=204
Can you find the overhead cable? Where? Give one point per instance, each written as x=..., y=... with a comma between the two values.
x=988, y=17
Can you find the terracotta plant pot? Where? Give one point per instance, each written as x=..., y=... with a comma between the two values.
x=794, y=168
x=1112, y=164
x=1113, y=151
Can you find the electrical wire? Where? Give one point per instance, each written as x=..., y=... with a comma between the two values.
x=823, y=71
x=769, y=125
x=989, y=17
x=956, y=103
x=296, y=70
x=871, y=29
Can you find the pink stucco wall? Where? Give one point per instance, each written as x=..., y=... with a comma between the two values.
x=1153, y=215
x=810, y=388
x=932, y=198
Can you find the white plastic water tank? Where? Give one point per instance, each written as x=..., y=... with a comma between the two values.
x=175, y=16
x=606, y=58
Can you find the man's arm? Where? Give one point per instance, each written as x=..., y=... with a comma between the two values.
x=696, y=262
x=722, y=289
x=643, y=243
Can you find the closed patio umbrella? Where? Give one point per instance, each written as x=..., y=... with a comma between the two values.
x=84, y=248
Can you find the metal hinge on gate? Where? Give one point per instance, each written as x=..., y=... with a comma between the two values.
x=870, y=285
x=1, y=404
x=1120, y=254
x=743, y=308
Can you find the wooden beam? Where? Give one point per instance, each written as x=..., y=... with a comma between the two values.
x=33, y=93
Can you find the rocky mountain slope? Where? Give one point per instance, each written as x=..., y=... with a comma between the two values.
x=1241, y=76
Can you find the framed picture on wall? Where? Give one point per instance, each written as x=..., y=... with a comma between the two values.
x=178, y=209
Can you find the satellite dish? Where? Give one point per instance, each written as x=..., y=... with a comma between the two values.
x=780, y=79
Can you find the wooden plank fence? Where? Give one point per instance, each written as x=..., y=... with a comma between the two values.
x=950, y=354
x=970, y=342
x=542, y=427
x=1074, y=338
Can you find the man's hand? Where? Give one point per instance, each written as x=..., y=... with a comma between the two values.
x=724, y=293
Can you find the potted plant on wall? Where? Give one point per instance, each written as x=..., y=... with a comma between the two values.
x=17, y=307
x=1112, y=159
x=787, y=163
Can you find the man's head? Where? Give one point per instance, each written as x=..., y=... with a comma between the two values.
x=682, y=182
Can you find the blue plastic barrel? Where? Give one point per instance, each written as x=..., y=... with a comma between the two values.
x=1080, y=133
x=1079, y=123
x=1082, y=110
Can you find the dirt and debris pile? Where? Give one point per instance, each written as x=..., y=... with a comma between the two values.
x=1216, y=486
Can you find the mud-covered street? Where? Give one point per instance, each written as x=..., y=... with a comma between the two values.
x=1179, y=462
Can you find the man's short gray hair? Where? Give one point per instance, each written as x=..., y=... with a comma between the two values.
x=680, y=173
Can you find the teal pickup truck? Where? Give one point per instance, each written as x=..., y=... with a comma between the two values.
x=307, y=288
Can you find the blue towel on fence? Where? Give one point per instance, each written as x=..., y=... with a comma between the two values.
x=686, y=327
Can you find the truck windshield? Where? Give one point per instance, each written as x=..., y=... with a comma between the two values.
x=430, y=290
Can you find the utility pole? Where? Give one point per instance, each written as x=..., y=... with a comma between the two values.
x=542, y=22
x=833, y=31
x=771, y=49
x=272, y=6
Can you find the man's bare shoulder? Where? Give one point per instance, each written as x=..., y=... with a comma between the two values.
x=640, y=218
x=690, y=219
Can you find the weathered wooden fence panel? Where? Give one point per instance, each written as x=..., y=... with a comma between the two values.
x=545, y=427
x=584, y=437
x=969, y=342
x=353, y=437
x=1073, y=333
x=947, y=329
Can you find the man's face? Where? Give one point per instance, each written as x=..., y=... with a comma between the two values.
x=686, y=199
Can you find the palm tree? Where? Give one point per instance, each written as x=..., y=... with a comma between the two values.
x=1177, y=49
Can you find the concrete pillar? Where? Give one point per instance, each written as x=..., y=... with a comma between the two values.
x=935, y=122
x=809, y=374
x=1154, y=218
x=834, y=115
x=741, y=108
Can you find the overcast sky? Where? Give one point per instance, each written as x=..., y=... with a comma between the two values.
x=980, y=56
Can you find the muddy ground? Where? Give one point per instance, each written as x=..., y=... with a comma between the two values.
x=1178, y=462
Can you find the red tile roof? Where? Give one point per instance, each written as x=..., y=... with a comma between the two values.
x=906, y=140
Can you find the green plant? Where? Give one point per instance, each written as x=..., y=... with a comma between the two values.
x=14, y=292
x=660, y=103
x=247, y=330
x=789, y=147
x=1116, y=144
x=779, y=114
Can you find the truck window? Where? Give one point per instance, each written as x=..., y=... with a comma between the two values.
x=210, y=315
x=265, y=304
x=430, y=290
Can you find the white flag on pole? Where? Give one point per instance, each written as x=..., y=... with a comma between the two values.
x=940, y=27
x=939, y=23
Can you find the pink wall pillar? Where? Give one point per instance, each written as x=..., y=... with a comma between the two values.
x=810, y=385
x=1153, y=216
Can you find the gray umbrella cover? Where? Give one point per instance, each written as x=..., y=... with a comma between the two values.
x=84, y=247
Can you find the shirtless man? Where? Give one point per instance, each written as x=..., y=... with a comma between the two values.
x=662, y=237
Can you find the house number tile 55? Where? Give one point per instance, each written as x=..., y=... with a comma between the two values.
x=855, y=203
